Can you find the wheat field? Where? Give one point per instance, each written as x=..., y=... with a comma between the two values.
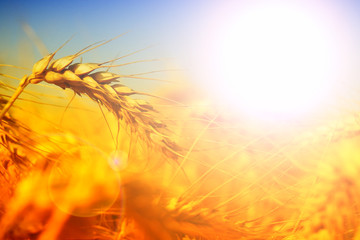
x=84, y=156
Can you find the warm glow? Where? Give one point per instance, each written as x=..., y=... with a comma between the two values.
x=274, y=60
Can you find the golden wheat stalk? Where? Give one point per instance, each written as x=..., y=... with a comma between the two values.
x=83, y=78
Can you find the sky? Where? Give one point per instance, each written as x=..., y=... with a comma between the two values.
x=199, y=36
x=149, y=22
x=176, y=28
x=163, y=25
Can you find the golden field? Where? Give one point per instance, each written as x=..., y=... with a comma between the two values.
x=85, y=157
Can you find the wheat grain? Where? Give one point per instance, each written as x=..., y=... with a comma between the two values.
x=138, y=115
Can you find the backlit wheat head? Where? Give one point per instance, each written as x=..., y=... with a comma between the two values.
x=104, y=88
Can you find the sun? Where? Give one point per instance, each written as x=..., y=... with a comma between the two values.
x=276, y=60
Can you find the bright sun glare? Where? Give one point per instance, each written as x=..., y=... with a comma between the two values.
x=277, y=59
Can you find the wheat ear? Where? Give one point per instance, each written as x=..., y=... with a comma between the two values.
x=83, y=78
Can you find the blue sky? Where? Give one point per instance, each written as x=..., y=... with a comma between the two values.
x=150, y=22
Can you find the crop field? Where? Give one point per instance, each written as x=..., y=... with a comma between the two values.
x=97, y=144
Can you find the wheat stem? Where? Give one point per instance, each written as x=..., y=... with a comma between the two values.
x=24, y=82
